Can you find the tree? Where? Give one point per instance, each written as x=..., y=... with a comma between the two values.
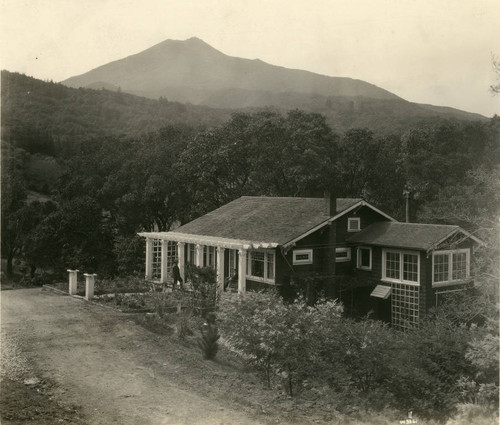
x=495, y=62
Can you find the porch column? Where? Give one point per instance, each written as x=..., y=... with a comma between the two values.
x=199, y=255
x=164, y=261
x=149, y=258
x=242, y=271
x=220, y=269
x=182, y=258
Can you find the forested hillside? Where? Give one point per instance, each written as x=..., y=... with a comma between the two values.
x=47, y=117
x=83, y=171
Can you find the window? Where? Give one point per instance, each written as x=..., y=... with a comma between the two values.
x=404, y=306
x=260, y=265
x=156, y=263
x=401, y=266
x=209, y=257
x=450, y=266
x=342, y=254
x=191, y=253
x=364, y=258
x=302, y=256
x=233, y=262
x=353, y=224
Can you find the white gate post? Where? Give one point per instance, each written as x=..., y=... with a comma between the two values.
x=73, y=279
x=89, y=285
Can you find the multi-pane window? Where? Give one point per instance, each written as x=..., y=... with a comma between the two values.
x=270, y=265
x=233, y=262
x=302, y=256
x=459, y=265
x=156, y=259
x=260, y=265
x=364, y=258
x=342, y=254
x=209, y=256
x=401, y=266
x=450, y=266
x=404, y=306
x=191, y=253
x=392, y=265
x=410, y=267
x=441, y=267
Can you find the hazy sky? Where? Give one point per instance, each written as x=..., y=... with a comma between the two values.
x=426, y=51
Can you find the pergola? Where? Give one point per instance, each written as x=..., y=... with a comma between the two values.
x=200, y=241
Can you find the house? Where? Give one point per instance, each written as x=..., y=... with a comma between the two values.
x=360, y=254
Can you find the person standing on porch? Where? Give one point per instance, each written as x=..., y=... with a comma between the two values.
x=177, y=275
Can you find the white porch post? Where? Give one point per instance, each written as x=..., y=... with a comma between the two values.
x=164, y=261
x=149, y=258
x=182, y=258
x=220, y=269
x=199, y=255
x=242, y=271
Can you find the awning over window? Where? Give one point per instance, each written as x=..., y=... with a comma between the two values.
x=381, y=291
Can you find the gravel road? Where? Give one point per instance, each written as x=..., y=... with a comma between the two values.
x=96, y=366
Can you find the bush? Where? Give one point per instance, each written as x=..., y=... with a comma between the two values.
x=209, y=338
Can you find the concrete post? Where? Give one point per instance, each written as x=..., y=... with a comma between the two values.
x=182, y=259
x=149, y=258
x=89, y=285
x=220, y=269
x=73, y=280
x=242, y=271
x=164, y=261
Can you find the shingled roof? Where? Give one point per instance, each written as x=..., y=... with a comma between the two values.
x=405, y=235
x=266, y=219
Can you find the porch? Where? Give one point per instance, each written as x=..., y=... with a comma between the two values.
x=233, y=260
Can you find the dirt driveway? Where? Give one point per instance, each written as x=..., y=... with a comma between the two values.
x=100, y=365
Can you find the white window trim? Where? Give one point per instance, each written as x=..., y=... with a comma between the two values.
x=400, y=280
x=358, y=257
x=343, y=259
x=353, y=220
x=249, y=266
x=450, y=280
x=298, y=252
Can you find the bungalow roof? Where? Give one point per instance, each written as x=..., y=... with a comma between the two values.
x=407, y=235
x=267, y=219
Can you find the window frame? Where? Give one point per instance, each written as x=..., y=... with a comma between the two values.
x=358, y=258
x=401, y=253
x=353, y=220
x=267, y=254
x=343, y=249
x=297, y=252
x=449, y=253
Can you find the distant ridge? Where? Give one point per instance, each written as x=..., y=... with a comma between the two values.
x=191, y=71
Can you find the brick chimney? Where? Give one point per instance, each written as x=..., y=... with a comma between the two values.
x=407, y=195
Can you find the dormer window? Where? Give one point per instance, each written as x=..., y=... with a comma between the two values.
x=353, y=224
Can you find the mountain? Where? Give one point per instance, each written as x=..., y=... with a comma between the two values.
x=192, y=71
